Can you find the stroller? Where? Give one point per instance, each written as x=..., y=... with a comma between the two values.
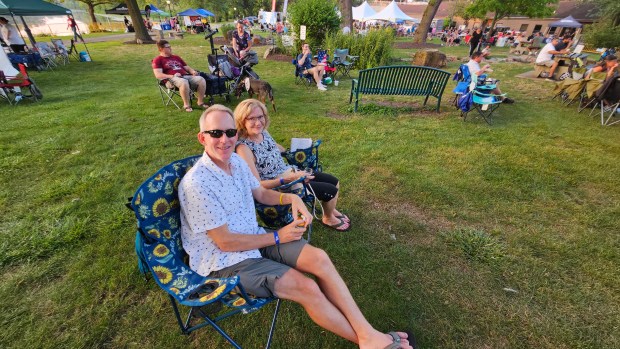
x=233, y=69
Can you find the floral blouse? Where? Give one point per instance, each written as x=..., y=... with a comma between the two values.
x=268, y=161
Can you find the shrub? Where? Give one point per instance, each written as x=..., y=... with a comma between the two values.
x=225, y=28
x=602, y=34
x=319, y=17
x=374, y=49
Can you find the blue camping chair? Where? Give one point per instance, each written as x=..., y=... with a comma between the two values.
x=475, y=93
x=160, y=253
x=277, y=216
x=301, y=78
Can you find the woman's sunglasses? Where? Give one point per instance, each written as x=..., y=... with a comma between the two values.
x=230, y=133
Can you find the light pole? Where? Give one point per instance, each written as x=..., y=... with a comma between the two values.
x=235, y=13
x=169, y=10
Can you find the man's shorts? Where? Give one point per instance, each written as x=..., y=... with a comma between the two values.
x=194, y=81
x=548, y=63
x=258, y=275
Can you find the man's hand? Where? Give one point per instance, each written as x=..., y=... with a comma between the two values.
x=299, y=209
x=292, y=232
x=177, y=75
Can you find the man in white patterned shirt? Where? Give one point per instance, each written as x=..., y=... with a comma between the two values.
x=221, y=235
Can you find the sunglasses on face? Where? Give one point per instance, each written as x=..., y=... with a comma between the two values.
x=230, y=133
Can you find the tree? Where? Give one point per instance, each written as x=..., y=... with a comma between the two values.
x=319, y=17
x=502, y=9
x=91, y=7
x=138, y=24
x=425, y=23
x=347, y=13
x=605, y=32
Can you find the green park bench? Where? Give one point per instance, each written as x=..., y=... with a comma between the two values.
x=400, y=81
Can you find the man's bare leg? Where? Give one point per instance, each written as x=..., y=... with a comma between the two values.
x=184, y=91
x=315, y=261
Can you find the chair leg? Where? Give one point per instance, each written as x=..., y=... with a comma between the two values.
x=611, y=113
x=273, y=324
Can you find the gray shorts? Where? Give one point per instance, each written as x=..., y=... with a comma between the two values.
x=193, y=81
x=258, y=275
x=546, y=63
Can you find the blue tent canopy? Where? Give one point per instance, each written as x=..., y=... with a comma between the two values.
x=190, y=12
x=205, y=13
x=156, y=10
x=568, y=22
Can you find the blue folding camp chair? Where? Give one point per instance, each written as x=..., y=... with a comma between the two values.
x=301, y=78
x=476, y=94
x=160, y=253
x=277, y=216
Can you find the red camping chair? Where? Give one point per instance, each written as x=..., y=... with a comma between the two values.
x=15, y=88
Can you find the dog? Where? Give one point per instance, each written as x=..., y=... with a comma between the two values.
x=260, y=87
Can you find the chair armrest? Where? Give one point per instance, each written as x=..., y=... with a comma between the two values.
x=353, y=58
x=285, y=187
x=353, y=83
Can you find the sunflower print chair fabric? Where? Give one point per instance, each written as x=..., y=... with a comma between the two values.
x=305, y=159
x=160, y=253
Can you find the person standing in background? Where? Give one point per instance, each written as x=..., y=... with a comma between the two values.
x=11, y=36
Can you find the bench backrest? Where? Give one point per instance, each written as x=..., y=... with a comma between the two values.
x=403, y=80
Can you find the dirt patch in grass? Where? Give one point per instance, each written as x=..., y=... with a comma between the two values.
x=279, y=57
x=335, y=115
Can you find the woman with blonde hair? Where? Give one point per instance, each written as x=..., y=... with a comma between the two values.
x=263, y=156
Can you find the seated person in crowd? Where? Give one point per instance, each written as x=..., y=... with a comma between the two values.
x=304, y=60
x=222, y=238
x=179, y=74
x=241, y=40
x=537, y=42
x=262, y=154
x=476, y=71
x=545, y=57
x=609, y=65
x=563, y=44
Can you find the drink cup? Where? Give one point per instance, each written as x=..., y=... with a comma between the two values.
x=336, y=82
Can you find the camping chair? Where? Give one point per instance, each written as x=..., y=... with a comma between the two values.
x=344, y=62
x=463, y=83
x=169, y=92
x=301, y=78
x=14, y=88
x=160, y=253
x=608, y=100
x=47, y=55
x=277, y=216
x=62, y=54
x=588, y=94
x=476, y=93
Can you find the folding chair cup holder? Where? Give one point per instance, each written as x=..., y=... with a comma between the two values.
x=160, y=254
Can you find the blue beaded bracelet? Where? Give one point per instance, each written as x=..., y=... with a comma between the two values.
x=276, y=237
x=281, y=181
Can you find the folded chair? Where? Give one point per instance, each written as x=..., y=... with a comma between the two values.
x=14, y=88
x=168, y=94
x=608, y=100
x=344, y=62
x=62, y=53
x=277, y=216
x=160, y=253
x=47, y=55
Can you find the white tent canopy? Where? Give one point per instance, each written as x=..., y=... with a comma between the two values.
x=393, y=13
x=363, y=12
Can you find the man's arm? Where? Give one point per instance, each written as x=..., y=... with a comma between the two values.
x=191, y=70
x=159, y=74
x=272, y=197
x=229, y=241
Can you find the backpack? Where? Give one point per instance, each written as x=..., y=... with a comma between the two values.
x=465, y=101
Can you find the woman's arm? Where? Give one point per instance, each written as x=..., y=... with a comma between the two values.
x=596, y=69
x=246, y=154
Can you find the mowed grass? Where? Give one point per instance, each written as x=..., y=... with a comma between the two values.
x=471, y=236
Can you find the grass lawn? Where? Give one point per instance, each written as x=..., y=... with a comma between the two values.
x=472, y=236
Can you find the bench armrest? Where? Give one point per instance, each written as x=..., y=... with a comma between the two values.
x=353, y=83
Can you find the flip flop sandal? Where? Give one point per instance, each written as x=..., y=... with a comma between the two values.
x=343, y=217
x=204, y=105
x=396, y=340
x=188, y=109
x=338, y=225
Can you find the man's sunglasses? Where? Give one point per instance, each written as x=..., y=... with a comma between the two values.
x=230, y=133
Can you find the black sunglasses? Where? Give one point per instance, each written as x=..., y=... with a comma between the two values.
x=230, y=133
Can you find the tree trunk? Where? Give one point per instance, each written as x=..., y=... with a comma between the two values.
x=425, y=23
x=138, y=24
x=347, y=14
x=493, y=23
x=94, y=26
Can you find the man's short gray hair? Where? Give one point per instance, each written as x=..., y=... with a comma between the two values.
x=211, y=109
